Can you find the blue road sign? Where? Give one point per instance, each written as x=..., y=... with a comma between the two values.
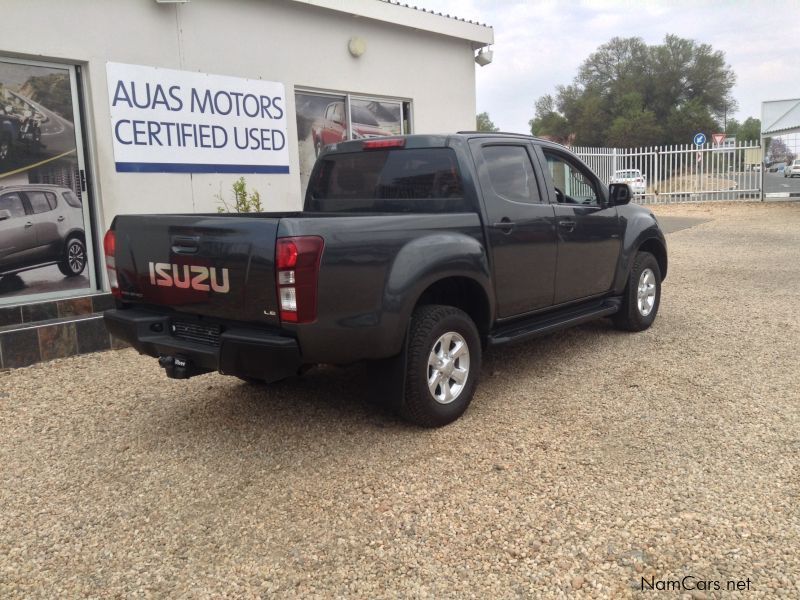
x=699, y=139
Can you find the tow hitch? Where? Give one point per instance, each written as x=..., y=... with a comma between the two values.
x=178, y=367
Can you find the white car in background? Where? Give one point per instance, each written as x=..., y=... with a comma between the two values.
x=634, y=178
x=792, y=168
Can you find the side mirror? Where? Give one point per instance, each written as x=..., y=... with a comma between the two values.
x=5, y=214
x=619, y=194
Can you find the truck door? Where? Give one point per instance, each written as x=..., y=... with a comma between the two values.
x=589, y=231
x=17, y=238
x=46, y=222
x=520, y=225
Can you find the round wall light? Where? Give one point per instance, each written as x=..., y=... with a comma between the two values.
x=357, y=46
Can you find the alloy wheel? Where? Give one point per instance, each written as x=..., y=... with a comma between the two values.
x=448, y=367
x=646, y=292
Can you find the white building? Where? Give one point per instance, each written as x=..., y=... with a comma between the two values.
x=344, y=68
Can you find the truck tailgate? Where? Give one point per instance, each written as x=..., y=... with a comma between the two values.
x=216, y=266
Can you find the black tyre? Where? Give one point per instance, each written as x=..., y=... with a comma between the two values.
x=443, y=365
x=642, y=294
x=74, y=260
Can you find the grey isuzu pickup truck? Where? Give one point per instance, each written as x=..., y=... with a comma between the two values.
x=417, y=252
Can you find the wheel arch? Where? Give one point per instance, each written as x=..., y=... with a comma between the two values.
x=655, y=247
x=464, y=293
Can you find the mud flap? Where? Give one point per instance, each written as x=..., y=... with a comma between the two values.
x=387, y=379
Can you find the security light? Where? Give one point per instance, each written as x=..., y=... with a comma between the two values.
x=484, y=57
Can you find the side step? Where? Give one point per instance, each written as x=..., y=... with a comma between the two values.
x=540, y=325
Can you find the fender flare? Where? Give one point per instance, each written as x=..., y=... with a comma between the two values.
x=651, y=235
x=420, y=264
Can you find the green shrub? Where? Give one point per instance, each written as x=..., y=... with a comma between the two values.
x=243, y=202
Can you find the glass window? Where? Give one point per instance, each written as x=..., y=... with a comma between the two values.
x=511, y=173
x=13, y=204
x=51, y=200
x=373, y=118
x=71, y=199
x=416, y=180
x=38, y=201
x=573, y=185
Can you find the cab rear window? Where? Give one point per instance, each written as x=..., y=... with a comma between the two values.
x=392, y=180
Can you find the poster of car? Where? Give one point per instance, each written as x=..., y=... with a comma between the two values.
x=42, y=221
x=323, y=119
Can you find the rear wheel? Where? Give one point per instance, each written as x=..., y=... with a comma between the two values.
x=443, y=367
x=74, y=260
x=642, y=294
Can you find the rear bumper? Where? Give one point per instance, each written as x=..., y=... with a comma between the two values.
x=239, y=351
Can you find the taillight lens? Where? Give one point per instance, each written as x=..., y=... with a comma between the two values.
x=296, y=272
x=110, y=250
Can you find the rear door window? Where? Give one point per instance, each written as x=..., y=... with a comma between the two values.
x=39, y=202
x=397, y=180
x=511, y=173
x=13, y=204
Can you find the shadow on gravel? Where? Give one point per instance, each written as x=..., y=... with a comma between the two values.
x=334, y=405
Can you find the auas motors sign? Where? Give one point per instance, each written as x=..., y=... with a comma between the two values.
x=178, y=121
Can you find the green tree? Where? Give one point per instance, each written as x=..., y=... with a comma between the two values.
x=749, y=130
x=631, y=94
x=484, y=123
x=547, y=122
x=732, y=127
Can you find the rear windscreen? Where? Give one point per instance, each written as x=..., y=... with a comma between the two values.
x=396, y=180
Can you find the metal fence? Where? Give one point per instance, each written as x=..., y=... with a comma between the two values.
x=682, y=173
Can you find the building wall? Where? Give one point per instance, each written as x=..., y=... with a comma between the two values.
x=277, y=40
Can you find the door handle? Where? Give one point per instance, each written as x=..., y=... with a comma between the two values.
x=185, y=245
x=505, y=225
x=568, y=225
x=28, y=224
x=61, y=218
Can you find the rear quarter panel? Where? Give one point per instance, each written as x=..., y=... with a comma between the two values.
x=373, y=271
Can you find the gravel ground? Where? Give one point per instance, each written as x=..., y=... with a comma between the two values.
x=588, y=460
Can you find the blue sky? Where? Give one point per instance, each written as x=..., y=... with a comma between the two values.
x=540, y=44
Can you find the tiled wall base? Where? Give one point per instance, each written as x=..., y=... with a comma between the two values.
x=37, y=332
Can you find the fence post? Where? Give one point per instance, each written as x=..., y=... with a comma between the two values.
x=656, y=186
x=613, y=161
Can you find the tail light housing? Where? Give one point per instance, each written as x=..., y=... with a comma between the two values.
x=382, y=143
x=110, y=251
x=296, y=272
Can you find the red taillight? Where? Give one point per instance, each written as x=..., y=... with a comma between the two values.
x=110, y=250
x=285, y=253
x=377, y=143
x=296, y=271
